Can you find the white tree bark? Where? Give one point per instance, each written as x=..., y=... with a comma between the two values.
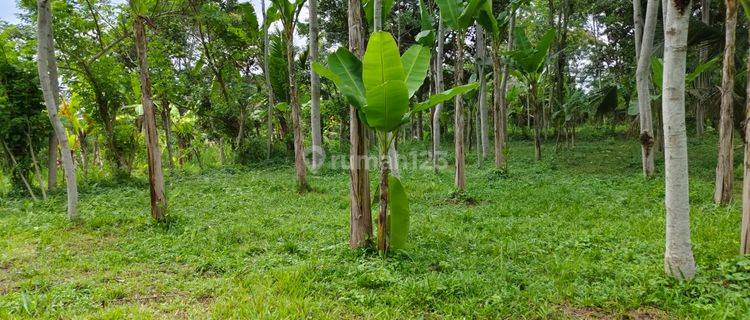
x=317, y=138
x=678, y=257
x=643, y=78
x=47, y=66
x=725, y=161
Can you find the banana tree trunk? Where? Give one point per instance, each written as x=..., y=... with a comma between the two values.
x=47, y=67
x=360, y=216
x=745, y=229
x=725, y=162
x=678, y=256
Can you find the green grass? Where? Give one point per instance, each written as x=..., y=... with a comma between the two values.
x=580, y=234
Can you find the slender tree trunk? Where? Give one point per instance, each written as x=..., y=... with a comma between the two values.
x=745, y=229
x=438, y=88
x=500, y=86
x=537, y=121
x=299, y=160
x=638, y=28
x=155, y=173
x=483, y=113
x=269, y=87
x=678, y=257
x=383, y=197
x=360, y=216
x=167, y=123
x=317, y=138
x=643, y=79
x=703, y=80
x=47, y=66
x=725, y=162
x=460, y=177
x=52, y=163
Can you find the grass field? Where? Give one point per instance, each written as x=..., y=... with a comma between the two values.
x=580, y=234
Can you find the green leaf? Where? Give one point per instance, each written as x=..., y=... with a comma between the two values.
x=349, y=70
x=282, y=106
x=425, y=17
x=381, y=62
x=529, y=59
x=416, y=63
x=469, y=13
x=746, y=5
x=702, y=68
x=386, y=105
x=323, y=71
x=487, y=20
x=444, y=96
x=657, y=72
x=398, y=219
x=450, y=11
x=425, y=38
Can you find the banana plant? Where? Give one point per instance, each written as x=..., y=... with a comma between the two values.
x=380, y=88
x=529, y=61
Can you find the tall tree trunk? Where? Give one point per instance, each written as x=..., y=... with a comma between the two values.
x=460, y=177
x=703, y=80
x=638, y=28
x=500, y=87
x=167, y=123
x=155, y=173
x=317, y=138
x=678, y=257
x=47, y=67
x=360, y=216
x=383, y=197
x=725, y=162
x=299, y=160
x=269, y=87
x=438, y=88
x=643, y=80
x=52, y=163
x=483, y=113
x=745, y=229
x=537, y=121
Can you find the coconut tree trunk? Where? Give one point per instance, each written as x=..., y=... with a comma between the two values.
x=460, y=177
x=438, y=88
x=317, y=138
x=360, y=216
x=299, y=160
x=155, y=173
x=483, y=113
x=678, y=257
x=725, y=162
x=643, y=78
x=47, y=67
x=745, y=229
x=269, y=87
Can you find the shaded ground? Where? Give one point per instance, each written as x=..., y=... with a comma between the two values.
x=579, y=235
